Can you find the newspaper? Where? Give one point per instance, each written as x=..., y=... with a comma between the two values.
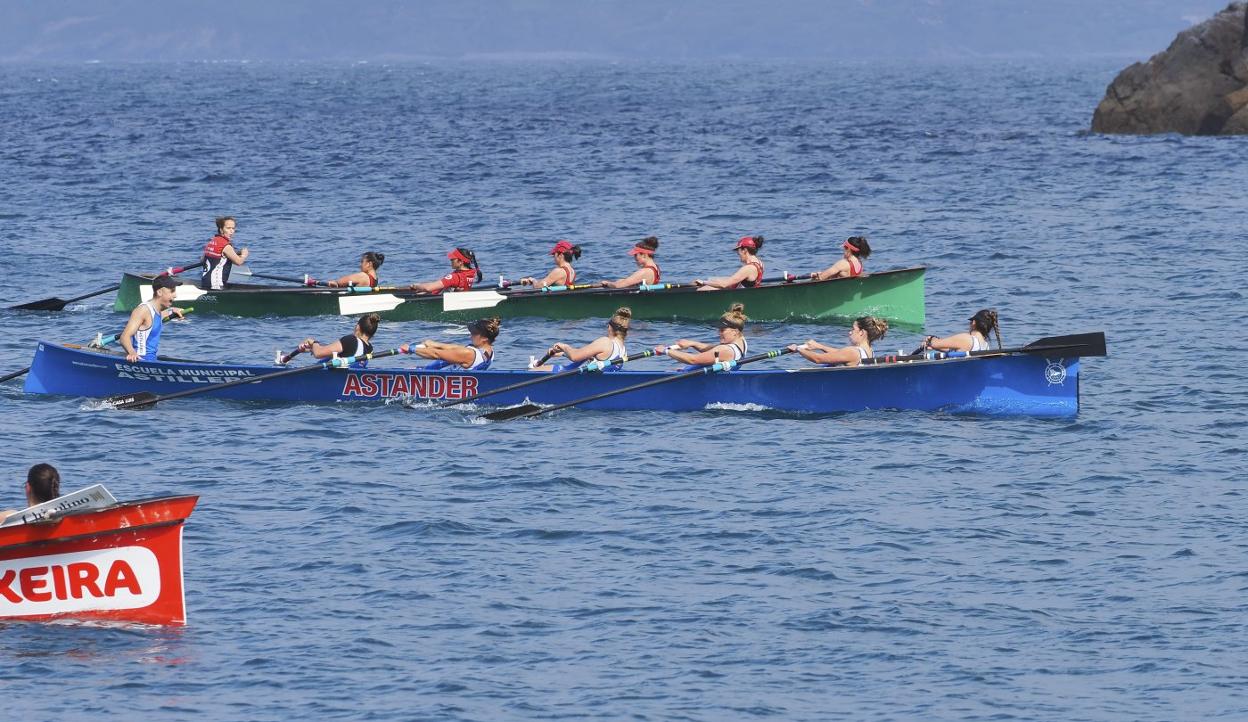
x=92, y=497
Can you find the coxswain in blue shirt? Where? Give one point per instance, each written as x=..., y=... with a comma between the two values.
x=141, y=337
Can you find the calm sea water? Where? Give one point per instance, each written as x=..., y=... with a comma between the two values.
x=386, y=563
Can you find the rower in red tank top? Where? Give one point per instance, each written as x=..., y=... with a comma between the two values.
x=853, y=251
x=563, y=274
x=647, y=270
x=465, y=271
x=366, y=276
x=749, y=275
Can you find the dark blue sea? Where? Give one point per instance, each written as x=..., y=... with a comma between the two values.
x=388, y=563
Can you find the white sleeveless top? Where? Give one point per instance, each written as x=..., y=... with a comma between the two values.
x=977, y=345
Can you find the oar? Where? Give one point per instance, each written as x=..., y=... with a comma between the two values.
x=1079, y=344
x=466, y=300
x=786, y=278
x=305, y=281
x=99, y=342
x=147, y=399
x=590, y=367
x=529, y=410
x=57, y=304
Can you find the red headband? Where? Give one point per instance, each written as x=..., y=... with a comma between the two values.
x=456, y=255
x=850, y=246
x=640, y=250
x=747, y=242
x=561, y=247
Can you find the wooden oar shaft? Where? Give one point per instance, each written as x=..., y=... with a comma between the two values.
x=591, y=367
x=716, y=367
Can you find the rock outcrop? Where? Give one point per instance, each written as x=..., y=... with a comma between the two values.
x=1197, y=86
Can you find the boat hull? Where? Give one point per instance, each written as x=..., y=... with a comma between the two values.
x=122, y=563
x=895, y=295
x=1009, y=384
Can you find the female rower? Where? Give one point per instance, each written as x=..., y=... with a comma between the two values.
x=731, y=346
x=749, y=275
x=366, y=276
x=865, y=331
x=975, y=338
x=476, y=357
x=604, y=348
x=358, y=343
x=563, y=273
x=465, y=271
x=647, y=270
x=855, y=250
x=220, y=256
x=43, y=483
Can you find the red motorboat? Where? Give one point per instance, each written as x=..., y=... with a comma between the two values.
x=122, y=562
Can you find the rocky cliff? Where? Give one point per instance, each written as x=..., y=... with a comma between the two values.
x=1197, y=86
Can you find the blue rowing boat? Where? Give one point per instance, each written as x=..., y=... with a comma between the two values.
x=1039, y=380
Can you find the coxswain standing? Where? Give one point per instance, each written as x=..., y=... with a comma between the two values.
x=220, y=256
x=141, y=336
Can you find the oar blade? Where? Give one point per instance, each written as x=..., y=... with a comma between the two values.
x=136, y=401
x=514, y=412
x=1079, y=344
x=47, y=304
x=468, y=300
x=360, y=305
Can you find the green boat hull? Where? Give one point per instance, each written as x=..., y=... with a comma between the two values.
x=895, y=295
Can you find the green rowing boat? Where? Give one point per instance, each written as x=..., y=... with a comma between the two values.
x=895, y=295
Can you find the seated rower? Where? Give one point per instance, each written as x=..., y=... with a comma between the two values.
x=749, y=275
x=220, y=256
x=731, y=346
x=854, y=250
x=141, y=336
x=366, y=276
x=476, y=357
x=465, y=271
x=563, y=273
x=647, y=270
x=604, y=348
x=43, y=483
x=865, y=331
x=358, y=343
x=975, y=338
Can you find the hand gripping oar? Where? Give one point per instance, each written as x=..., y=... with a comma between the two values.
x=100, y=341
x=1080, y=344
x=57, y=304
x=147, y=399
x=590, y=367
x=529, y=410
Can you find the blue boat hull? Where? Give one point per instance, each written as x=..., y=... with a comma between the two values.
x=1013, y=384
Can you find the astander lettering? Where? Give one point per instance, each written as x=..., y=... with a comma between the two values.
x=400, y=387
x=454, y=387
x=470, y=386
x=369, y=384
x=351, y=387
x=437, y=387
x=420, y=387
